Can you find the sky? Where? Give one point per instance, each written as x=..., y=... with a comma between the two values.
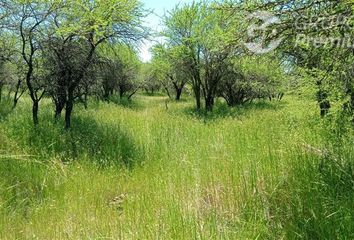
x=158, y=8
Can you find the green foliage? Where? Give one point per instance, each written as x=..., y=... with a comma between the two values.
x=102, y=19
x=119, y=68
x=254, y=77
x=151, y=78
x=168, y=68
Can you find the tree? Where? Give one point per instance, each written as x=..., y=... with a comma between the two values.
x=316, y=35
x=28, y=20
x=17, y=85
x=152, y=79
x=119, y=71
x=86, y=25
x=206, y=38
x=63, y=61
x=2, y=78
x=181, y=30
x=7, y=55
x=169, y=67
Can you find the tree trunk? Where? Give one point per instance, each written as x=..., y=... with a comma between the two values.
x=350, y=105
x=322, y=99
x=197, y=87
x=15, y=103
x=198, y=100
x=325, y=106
x=59, y=106
x=280, y=96
x=106, y=96
x=16, y=96
x=132, y=94
x=1, y=86
x=178, y=94
x=209, y=103
x=85, y=100
x=121, y=93
x=167, y=91
x=68, y=109
x=35, y=100
x=197, y=96
x=35, y=108
x=60, y=101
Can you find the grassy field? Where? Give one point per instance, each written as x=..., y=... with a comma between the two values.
x=157, y=170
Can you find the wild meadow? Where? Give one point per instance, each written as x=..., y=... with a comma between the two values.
x=193, y=119
x=268, y=170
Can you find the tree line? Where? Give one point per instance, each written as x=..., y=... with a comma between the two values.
x=77, y=49
x=204, y=43
x=57, y=48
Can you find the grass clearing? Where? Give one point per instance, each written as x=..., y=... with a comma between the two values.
x=151, y=171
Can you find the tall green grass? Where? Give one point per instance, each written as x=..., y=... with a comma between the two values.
x=160, y=170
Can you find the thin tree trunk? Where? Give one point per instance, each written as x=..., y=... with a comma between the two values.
x=85, y=100
x=1, y=87
x=352, y=105
x=178, y=89
x=322, y=99
x=133, y=93
x=69, y=109
x=60, y=100
x=33, y=94
x=209, y=103
x=167, y=91
x=35, y=108
x=121, y=93
x=17, y=95
x=59, y=106
x=15, y=103
x=197, y=96
x=178, y=94
x=325, y=106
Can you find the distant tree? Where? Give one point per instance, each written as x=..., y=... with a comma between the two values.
x=252, y=77
x=119, y=70
x=2, y=78
x=8, y=54
x=152, y=79
x=3, y=46
x=168, y=65
x=206, y=37
x=181, y=30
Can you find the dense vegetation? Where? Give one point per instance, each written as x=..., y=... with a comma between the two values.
x=211, y=139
